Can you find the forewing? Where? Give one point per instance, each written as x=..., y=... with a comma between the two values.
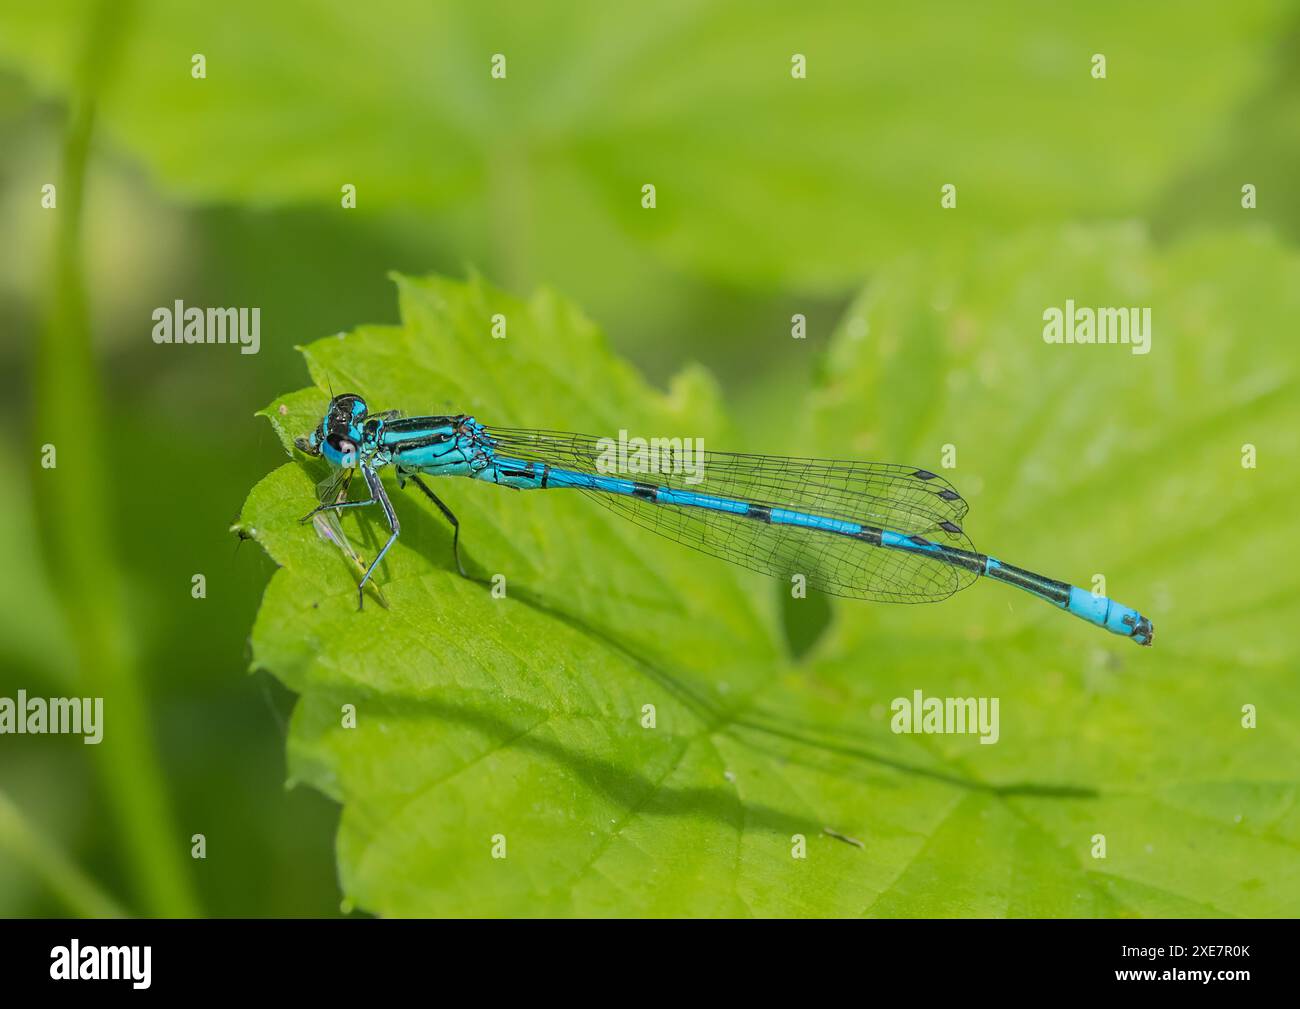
x=902, y=499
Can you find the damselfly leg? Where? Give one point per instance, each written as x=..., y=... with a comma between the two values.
x=335, y=506
x=455, y=523
x=377, y=493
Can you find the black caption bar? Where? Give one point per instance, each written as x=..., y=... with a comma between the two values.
x=337, y=958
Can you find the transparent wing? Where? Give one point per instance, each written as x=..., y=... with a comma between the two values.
x=331, y=490
x=902, y=499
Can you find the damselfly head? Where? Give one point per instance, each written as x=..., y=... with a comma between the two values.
x=341, y=424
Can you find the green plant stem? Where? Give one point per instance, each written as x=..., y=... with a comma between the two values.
x=75, y=529
x=78, y=892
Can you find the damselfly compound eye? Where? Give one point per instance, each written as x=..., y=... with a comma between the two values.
x=345, y=450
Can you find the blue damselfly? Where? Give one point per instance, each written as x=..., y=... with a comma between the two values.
x=864, y=530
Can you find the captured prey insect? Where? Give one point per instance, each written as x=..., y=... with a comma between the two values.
x=863, y=530
x=334, y=489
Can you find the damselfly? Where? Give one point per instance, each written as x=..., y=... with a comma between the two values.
x=864, y=530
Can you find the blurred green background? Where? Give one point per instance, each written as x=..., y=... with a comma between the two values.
x=775, y=196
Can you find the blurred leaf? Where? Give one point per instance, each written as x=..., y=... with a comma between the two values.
x=761, y=178
x=1258, y=145
x=522, y=716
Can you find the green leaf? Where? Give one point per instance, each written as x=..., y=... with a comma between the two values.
x=522, y=716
